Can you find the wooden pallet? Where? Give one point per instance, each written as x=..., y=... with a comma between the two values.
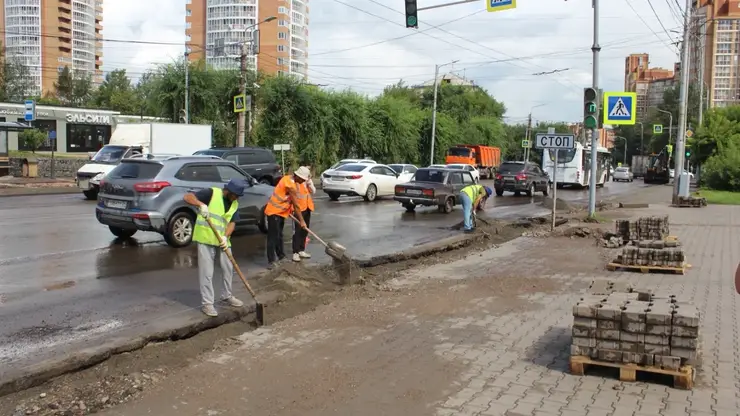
x=671, y=238
x=683, y=378
x=647, y=269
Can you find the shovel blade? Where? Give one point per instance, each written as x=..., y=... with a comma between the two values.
x=259, y=312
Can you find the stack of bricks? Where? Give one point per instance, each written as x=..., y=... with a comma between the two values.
x=653, y=253
x=645, y=228
x=691, y=201
x=615, y=324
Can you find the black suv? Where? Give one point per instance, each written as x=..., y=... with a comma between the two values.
x=258, y=162
x=519, y=177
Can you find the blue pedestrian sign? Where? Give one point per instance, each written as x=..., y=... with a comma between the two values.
x=30, y=114
x=498, y=5
x=620, y=108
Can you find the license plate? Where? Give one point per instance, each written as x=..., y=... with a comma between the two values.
x=413, y=192
x=116, y=204
x=338, y=178
x=84, y=184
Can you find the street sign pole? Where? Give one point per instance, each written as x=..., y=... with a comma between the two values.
x=595, y=48
x=554, y=189
x=556, y=142
x=282, y=148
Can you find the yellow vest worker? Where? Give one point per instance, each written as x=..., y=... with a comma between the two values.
x=471, y=197
x=282, y=203
x=306, y=206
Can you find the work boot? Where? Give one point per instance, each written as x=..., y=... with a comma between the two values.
x=304, y=255
x=232, y=301
x=209, y=310
x=296, y=257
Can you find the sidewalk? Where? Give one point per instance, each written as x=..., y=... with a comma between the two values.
x=485, y=335
x=11, y=186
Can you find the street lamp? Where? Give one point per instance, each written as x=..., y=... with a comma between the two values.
x=670, y=124
x=529, y=131
x=434, y=106
x=642, y=136
x=624, y=162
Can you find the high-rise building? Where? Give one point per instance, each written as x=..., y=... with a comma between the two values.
x=648, y=83
x=217, y=29
x=47, y=35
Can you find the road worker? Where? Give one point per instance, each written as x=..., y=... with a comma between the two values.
x=305, y=202
x=471, y=198
x=220, y=206
x=283, y=203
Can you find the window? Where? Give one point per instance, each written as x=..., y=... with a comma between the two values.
x=199, y=173
x=229, y=172
x=135, y=170
x=468, y=179
x=188, y=12
x=282, y=10
x=459, y=151
x=456, y=178
x=722, y=71
x=280, y=61
x=283, y=35
x=430, y=175
x=724, y=37
x=232, y=159
x=564, y=156
x=281, y=48
x=188, y=25
x=283, y=23
x=724, y=24
x=397, y=168
x=352, y=168
x=722, y=83
x=410, y=169
x=723, y=60
x=388, y=172
x=86, y=138
x=510, y=168
x=724, y=47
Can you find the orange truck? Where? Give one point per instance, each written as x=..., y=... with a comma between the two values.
x=485, y=158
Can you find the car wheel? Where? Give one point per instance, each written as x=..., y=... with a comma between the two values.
x=90, y=194
x=531, y=189
x=179, y=232
x=446, y=208
x=499, y=192
x=333, y=196
x=371, y=193
x=410, y=207
x=262, y=224
x=121, y=233
x=546, y=190
x=266, y=181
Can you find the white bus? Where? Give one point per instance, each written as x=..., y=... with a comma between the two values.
x=574, y=165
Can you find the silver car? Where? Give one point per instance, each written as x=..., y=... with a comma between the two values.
x=146, y=194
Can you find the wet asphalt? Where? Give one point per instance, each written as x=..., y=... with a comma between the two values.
x=66, y=283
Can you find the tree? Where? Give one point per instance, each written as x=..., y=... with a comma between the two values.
x=33, y=138
x=16, y=83
x=73, y=88
x=116, y=93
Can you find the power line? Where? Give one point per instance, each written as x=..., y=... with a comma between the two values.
x=660, y=22
x=648, y=26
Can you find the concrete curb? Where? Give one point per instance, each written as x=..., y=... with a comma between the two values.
x=45, y=191
x=174, y=328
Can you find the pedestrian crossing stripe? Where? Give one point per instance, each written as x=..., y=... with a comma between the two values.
x=620, y=108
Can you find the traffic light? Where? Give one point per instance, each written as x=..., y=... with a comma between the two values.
x=590, y=108
x=412, y=18
x=688, y=152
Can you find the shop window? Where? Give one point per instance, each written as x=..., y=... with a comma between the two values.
x=86, y=137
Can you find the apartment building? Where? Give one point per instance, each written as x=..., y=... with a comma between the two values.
x=283, y=42
x=648, y=83
x=47, y=35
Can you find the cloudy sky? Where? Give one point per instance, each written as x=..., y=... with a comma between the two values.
x=364, y=45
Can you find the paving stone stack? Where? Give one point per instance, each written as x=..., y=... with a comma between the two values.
x=614, y=323
x=647, y=253
x=691, y=201
x=645, y=228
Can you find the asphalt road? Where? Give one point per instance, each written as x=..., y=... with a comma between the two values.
x=66, y=283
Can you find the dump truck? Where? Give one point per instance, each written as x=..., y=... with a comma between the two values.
x=658, y=169
x=639, y=165
x=485, y=158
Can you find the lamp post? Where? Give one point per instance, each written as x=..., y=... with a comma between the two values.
x=642, y=137
x=624, y=161
x=670, y=124
x=529, y=131
x=434, y=106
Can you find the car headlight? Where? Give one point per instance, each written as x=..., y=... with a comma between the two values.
x=97, y=178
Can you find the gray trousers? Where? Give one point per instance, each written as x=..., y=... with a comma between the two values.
x=207, y=265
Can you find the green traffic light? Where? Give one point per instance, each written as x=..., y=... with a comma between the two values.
x=411, y=21
x=591, y=108
x=590, y=122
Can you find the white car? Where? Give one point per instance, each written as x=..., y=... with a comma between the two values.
x=673, y=174
x=345, y=162
x=467, y=168
x=405, y=172
x=437, y=166
x=623, y=174
x=369, y=181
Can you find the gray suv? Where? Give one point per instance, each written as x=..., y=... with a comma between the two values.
x=146, y=194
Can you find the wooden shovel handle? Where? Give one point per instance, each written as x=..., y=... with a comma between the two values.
x=233, y=261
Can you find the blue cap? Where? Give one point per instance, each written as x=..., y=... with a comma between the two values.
x=236, y=186
x=488, y=190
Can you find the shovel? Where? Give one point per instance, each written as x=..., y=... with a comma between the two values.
x=259, y=308
x=333, y=249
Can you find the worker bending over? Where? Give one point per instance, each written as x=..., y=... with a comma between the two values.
x=220, y=206
x=305, y=202
x=471, y=197
x=282, y=203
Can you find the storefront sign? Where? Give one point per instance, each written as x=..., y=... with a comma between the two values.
x=83, y=118
x=21, y=112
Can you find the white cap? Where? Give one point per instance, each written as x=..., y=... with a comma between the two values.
x=302, y=172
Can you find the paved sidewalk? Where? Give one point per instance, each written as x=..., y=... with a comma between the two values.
x=485, y=336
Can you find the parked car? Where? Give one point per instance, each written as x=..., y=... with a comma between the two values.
x=467, y=168
x=258, y=162
x=433, y=186
x=146, y=194
x=342, y=163
x=437, y=166
x=369, y=181
x=405, y=172
x=623, y=173
x=519, y=177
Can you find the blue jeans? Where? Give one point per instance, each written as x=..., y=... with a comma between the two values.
x=467, y=205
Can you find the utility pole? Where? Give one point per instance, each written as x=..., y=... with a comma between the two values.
x=187, y=88
x=683, y=103
x=642, y=136
x=434, y=113
x=702, y=34
x=241, y=120
x=595, y=48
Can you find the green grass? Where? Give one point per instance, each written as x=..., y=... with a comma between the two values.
x=24, y=153
x=719, y=197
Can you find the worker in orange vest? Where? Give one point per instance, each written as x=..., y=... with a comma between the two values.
x=305, y=203
x=282, y=203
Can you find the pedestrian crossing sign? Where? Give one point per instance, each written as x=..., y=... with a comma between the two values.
x=240, y=105
x=620, y=108
x=657, y=128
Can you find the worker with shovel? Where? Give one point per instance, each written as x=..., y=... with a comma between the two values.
x=283, y=203
x=305, y=202
x=219, y=206
x=472, y=197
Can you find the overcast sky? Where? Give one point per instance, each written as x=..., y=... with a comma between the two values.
x=352, y=45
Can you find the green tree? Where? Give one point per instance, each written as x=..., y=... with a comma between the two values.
x=116, y=93
x=32, y=138
x=16, y=83
x=73, y=88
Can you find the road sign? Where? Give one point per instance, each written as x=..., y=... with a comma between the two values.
x=30, y=114
x=657, y=128
x=498, y=5
x=240, y=103
x=555, y=141
x=526, y=144
x=689, y=133
x=620, y=108
x=669, y=147
x=281, y=147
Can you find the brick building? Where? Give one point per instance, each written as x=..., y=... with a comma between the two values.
x=648, y=83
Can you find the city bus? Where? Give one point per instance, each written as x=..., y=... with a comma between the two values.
x=574, y=165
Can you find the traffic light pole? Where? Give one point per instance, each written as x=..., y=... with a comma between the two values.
x=595, y=131
x=683, y=102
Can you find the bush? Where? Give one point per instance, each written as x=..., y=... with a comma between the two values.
x=722, y=169
x=32, y=138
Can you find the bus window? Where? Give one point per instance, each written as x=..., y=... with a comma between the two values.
x=564, y=156
x=459, y=151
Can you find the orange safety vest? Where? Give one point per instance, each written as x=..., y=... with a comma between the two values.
x=305, y=201
x=279, y=203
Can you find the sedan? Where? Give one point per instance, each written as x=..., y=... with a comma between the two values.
x=369, y=181
x=437, y=166
x=623, y=174
x=405, y=172
x=467, y=168
x=345, y=162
